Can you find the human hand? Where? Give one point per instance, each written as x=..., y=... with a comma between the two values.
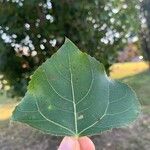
x=73, y=143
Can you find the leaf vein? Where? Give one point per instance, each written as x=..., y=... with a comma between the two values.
x=120, y=98
x=105, y=112
x=120, y=112
x=60, y=73
x=55, y=89
x=88, y=90
x=51, y=121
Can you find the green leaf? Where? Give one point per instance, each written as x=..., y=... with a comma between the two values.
x=70, y=94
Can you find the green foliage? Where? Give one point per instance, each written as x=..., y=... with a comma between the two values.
x=70, y=94
x=32, y=30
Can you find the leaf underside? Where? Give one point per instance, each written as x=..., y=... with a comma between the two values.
x=70, y=94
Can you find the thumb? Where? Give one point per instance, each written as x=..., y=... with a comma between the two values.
x=69, y=143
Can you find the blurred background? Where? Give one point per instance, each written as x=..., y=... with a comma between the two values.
x=115, y=32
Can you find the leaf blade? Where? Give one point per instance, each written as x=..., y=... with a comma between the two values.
x=73, y=96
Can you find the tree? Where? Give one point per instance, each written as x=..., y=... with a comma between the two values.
x=31, y=31
x=145, y=32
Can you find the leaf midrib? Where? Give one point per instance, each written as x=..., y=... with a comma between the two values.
x=73, y=96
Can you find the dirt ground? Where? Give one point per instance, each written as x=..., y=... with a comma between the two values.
x=16, y=136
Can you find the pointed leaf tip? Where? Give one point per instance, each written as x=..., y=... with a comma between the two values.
x=67, y=40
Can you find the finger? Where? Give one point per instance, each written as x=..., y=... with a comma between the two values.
x=86, y=143
x=69, y=143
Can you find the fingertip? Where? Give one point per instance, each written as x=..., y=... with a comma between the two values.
x=86, y=143
x=69, y=143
